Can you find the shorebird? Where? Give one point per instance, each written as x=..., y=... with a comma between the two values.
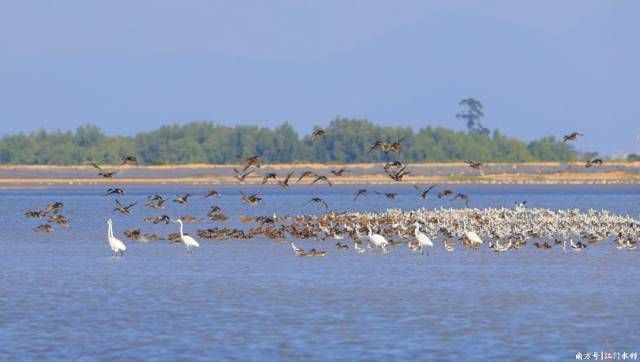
x=571, y=136
x=124, y=209
x=116, y=245
x=103, y=173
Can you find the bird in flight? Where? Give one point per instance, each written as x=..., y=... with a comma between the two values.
x=359, y=193
x=132, y=159
x=594, y=162
x=115, y=191
x=212, y=193
x=444, y=193
x=242, y=175
x=339, y=172
x=318, y=200
x=285, y=183
x=251, y=161
x=322, y=178
x=184, y=199
x=388, y=165
x=423, y=193
x=571, y=136
x=399, y=174
x=267, y=176
x=252, y=199
x=393, y=147
x=389, y=195
x=306, y=174
x=103, y=173
x=462, y=197
x=474, y=165
x=319, y=132
x=124, y=209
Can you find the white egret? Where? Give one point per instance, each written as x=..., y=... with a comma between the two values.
x=471, y=236
x=377, y=239
x=423, y=239
x=116, y=245
x=186, y=239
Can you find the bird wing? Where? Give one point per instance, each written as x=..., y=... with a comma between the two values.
x=96, y=166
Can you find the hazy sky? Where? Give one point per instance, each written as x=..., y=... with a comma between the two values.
x=539, y=67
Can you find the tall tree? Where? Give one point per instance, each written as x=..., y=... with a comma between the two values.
x=471, y=113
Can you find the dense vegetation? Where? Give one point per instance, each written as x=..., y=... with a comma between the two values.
x=346, y=140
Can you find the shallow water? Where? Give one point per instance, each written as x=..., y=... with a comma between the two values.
x=62, y=295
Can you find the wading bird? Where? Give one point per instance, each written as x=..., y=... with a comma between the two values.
x=116, y=245
x=188, y=241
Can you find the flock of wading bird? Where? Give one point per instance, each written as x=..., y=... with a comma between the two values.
x=507, y=229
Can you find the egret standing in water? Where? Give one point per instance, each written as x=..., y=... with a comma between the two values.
x=186, y=239
x=423, y=239
x=116, y=244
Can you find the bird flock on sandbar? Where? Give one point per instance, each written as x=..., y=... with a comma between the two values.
x=503, y=229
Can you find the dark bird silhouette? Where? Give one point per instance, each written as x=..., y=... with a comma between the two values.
x=444, y=193
x=377, y=144
x=184, y=199
x=132, y=159
x=38, y=214
x=267, y=176
x=252, y=199
x=242, y=175
x=103, y=173
x=115, y=191
x=212, y=193
x=158, y=219
x=285, y=183
x=425, y=192
x=594, y=162
x=462, y=197
x=394, y=147
x=44, y=228
x=306, y=174
x=54, y=207
x=389, y=195
x=339, y=172
x=359, y=193
x=475, y=165
x=399, y=174
x=124, y=209
x=388, y=165
x=318, y=200
x=317, y=134
x=322, y=178
x=571, y=136
x=251, y=161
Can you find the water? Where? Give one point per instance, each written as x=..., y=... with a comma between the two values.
x=62, y=295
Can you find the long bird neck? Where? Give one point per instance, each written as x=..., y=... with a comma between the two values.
x=110, y=231
x=181, y=234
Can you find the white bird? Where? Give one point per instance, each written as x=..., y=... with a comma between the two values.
x=186, y=239
x=297, y=250
x=116, y=245
x=423, y=239
x=471, y=236
x=377, y=239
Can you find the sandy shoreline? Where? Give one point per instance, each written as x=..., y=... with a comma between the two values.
x=199, y=174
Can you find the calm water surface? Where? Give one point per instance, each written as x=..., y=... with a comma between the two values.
x=62, y=295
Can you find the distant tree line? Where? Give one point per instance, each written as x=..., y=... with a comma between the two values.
x=345, y=141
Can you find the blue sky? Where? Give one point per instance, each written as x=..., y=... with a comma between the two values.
x=539, y=67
